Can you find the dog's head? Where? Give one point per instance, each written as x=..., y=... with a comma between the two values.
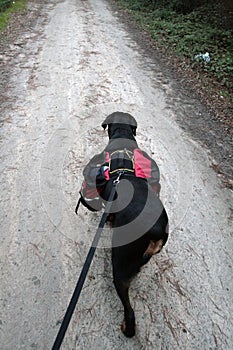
x=120, y=120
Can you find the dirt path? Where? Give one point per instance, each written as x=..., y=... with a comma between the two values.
x=75, y=66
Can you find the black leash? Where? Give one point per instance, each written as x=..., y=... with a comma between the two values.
x=82, y=277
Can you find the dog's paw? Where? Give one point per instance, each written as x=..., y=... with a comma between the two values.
x=128, y=331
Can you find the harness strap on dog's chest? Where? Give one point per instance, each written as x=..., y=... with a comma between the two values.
x=120, y=161
x=129, y=162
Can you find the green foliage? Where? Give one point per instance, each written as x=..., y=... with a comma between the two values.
x=187, y=28
x=4, y=4
x=182, y=6
x=6, y=12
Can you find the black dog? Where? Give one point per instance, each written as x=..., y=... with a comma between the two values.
x=139, y=220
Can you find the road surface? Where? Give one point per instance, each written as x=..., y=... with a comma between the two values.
x=76, y=65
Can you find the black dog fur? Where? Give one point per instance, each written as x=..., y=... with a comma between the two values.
x=128, y=258
x=140, y=227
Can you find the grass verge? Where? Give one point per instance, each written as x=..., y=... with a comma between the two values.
x=188, y=35
x=5, y=15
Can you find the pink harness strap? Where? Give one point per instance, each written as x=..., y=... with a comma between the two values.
x=142, y=165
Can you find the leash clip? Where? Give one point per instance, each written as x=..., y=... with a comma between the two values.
x=117, y=180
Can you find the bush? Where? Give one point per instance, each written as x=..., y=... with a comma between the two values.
x=4, y=4
x=187, y=32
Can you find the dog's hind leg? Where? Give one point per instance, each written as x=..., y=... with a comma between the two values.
x=123, y=271
x=154, y=247
x=158, y=236
x=122, y=288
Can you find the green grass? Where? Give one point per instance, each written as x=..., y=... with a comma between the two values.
x=5, y=15
x=186, y=35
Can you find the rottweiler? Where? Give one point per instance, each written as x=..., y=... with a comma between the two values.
x=138, y=217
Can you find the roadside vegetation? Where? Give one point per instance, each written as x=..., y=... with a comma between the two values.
x=196, y=36
x=8, y=8
x=201, y=32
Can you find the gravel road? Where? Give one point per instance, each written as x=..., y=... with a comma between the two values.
x=74, y=66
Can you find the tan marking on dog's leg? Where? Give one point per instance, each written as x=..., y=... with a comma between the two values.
x=123, y=326
x=154, y=247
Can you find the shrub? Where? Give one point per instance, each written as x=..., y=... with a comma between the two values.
x=4, y=4
x=188, y=28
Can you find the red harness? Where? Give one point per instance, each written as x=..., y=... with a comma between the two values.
x=135, y=163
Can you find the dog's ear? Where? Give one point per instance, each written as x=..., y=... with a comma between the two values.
x=104, y=125
x=106, y=122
